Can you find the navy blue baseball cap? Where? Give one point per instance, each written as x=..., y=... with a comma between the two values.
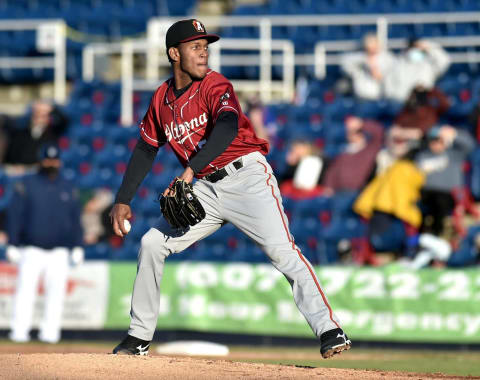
x=187, y=30
x=49, y=151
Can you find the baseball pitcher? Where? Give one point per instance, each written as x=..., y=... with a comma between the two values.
x=198, y=114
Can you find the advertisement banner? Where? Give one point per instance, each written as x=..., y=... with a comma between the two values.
x=389, y=303
x=85, y=303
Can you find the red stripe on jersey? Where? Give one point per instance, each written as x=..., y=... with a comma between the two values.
x=312, y=273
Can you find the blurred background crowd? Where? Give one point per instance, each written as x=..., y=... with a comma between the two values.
x=378, y=160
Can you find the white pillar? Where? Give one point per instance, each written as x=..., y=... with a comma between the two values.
x=320, y=64
x=127, y=83
x=265, y=60
x=60, y=65
x=88, y=64
x=288, y=71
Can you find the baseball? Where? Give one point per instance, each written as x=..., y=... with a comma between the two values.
x=127, y=225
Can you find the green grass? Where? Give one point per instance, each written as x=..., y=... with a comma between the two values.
x=460, y=363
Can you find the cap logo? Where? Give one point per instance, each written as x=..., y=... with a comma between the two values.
x=198, y=26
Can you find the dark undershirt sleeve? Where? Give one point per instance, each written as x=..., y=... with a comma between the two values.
x=138, y=167
x=223, y=133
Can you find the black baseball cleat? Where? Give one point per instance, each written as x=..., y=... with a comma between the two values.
x=132, y=346
x=333, y=342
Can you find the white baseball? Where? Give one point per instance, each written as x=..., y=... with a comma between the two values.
x=127, y=225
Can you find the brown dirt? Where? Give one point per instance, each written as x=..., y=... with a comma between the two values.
x=106, y=366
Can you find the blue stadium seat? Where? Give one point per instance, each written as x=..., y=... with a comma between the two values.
x=161, y=181
x=75, y=155
x=119, y=135
x=246, y=10
x=228, y=230
x=254, y=254
x=90, y=179
x=347, y=227
x=339, y=108
x=111, y=155
x=139, y=227
x=305, y=228
x=368, y=109
x=149, y=205
x=127, y=252
x=467, y=253
x=342, y=203
x=180, y=7
x=311, y=207
x=334, y=133
x=475, y=173
x=6, y=189
x=100, y=251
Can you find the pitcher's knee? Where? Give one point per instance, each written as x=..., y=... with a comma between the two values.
x=281, y=253
x=153, y=246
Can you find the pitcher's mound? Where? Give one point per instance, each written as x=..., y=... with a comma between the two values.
x=113, y=367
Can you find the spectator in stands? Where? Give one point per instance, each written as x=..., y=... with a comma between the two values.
x=257, y=113
x=351, y=170
x=397, y=146
x=442, y=161
x=95, y=221
x=421, y=64
x=430, y=249
x=438, y=252
x=474, y=122
x=421, y=112
x=305, y=168
x=422, y=109
x=43, y=225
x=368, y=69
x=5, y=123
x=45, y=123
x=346, y=175
x=389, y=203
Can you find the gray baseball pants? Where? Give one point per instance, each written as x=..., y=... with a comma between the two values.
x=248, y=198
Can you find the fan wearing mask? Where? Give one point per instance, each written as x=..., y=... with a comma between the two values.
x=422, y=63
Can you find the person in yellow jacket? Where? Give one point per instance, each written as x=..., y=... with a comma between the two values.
x=395, y=192
x=389, y=202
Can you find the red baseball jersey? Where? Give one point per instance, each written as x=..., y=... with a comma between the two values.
x=186, y=123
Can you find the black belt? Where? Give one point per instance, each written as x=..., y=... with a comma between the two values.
x=222, y=173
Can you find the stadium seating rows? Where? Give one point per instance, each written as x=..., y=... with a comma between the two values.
x=113, y=20
x=281, y=7
x=88, y=21
x=96, y=149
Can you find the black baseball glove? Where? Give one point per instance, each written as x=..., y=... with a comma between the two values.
x=181, y=207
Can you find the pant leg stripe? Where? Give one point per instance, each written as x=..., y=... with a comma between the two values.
x=314, y=277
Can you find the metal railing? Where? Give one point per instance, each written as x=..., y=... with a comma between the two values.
x=154, y=48
x=267, y=86
x=157, y=27
x=92, y=50
x=321, y=59
x=51, y=37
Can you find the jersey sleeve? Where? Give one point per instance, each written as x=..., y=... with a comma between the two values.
x=150, y=127
x=220, y=97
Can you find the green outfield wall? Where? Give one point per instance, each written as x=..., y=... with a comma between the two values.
x=389, y=303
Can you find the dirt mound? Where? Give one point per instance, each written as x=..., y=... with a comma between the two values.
x=106, y=366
